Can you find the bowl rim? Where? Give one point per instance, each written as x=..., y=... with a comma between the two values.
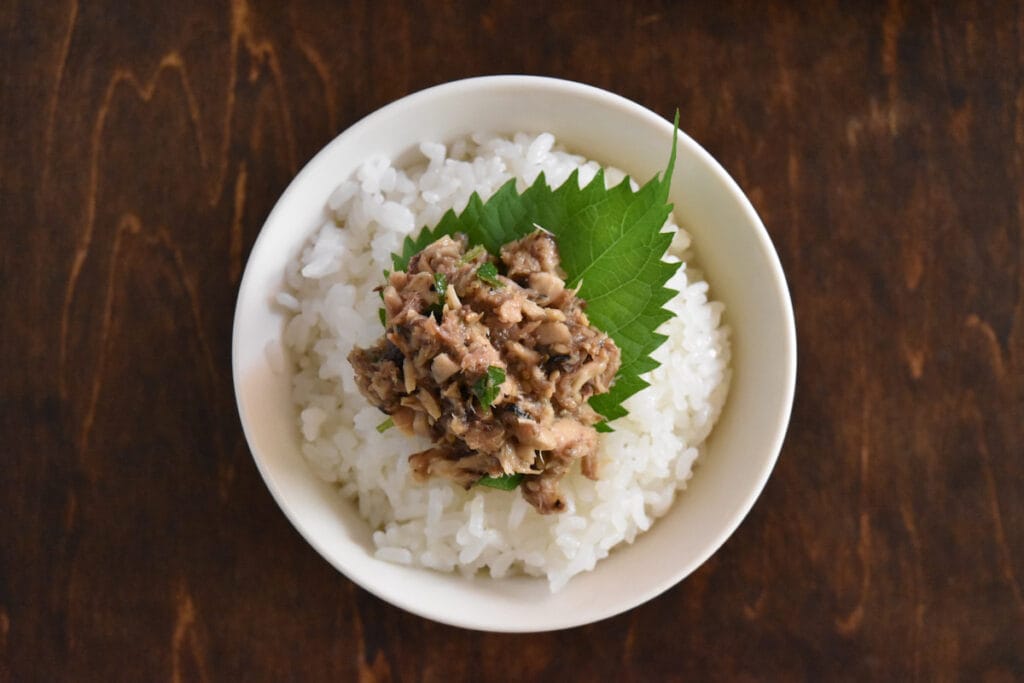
x=607, y=98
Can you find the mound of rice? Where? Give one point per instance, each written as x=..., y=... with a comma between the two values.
x=439, y=525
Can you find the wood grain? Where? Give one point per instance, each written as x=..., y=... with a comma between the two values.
x=142, y=147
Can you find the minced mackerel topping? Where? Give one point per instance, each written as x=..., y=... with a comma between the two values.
x=494, y=360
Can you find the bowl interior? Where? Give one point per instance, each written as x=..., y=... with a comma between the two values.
x=733, y=250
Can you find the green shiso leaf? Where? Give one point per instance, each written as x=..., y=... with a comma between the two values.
x=505, y=482
x=611, y=245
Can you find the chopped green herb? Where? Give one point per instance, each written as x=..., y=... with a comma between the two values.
x=603, y=427
x=489, y=274
x=505, y=482
x=488, y=387
x=383, y=316
x=385, y=425
x=473, y=253
x=440, y=286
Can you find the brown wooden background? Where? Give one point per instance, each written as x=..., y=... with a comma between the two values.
x=141, y=149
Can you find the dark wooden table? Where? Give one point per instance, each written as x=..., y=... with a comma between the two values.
x=141, y=148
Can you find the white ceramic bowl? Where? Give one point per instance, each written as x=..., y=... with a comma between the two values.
x=732, y=248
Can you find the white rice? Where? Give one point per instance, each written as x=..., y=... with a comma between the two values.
x=644, y=462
